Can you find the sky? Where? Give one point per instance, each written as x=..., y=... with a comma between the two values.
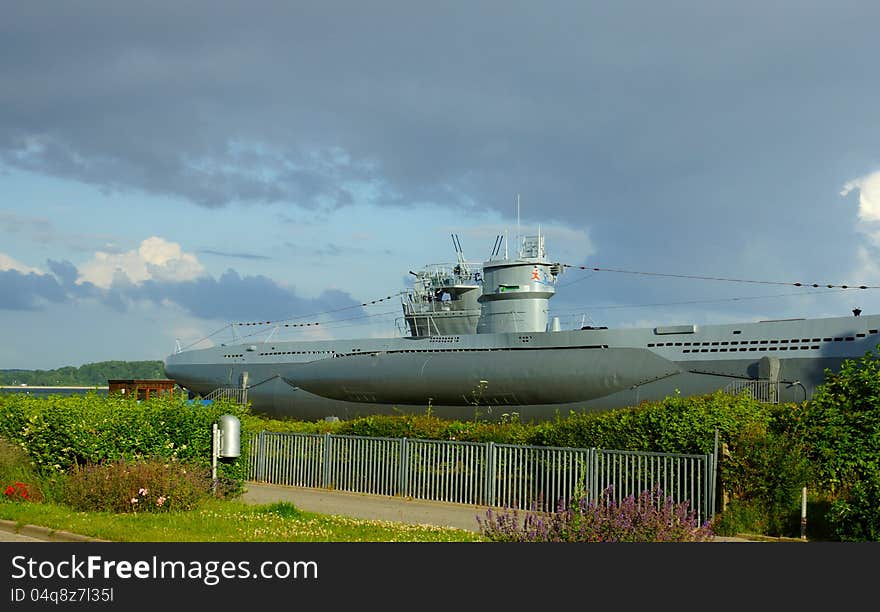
x=170, y=169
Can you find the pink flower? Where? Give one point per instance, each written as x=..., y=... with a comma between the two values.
x=134, y=500
x=160, y=500
x=142, y=491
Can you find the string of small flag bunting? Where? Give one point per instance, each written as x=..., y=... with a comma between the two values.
x=719, y=278
x=283, y=322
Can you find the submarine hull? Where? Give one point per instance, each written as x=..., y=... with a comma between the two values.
x=522, y=377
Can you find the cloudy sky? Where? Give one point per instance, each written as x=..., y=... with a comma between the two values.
x=168, y=168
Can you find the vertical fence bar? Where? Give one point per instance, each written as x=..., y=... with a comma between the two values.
x=325, y=479
x=261, y=455
x=490, y=473
x=402, y=469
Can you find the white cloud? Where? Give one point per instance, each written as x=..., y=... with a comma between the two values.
x=8, y=263
x=867, y=264
x=869, y=195
x=155, y=259
x=866, y=270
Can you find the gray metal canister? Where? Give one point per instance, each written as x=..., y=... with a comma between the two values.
x=230, y=436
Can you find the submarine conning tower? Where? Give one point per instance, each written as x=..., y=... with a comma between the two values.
x=516, y=291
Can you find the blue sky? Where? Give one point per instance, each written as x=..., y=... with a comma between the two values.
x=169, y=168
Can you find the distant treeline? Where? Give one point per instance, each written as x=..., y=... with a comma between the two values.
x=90, y=374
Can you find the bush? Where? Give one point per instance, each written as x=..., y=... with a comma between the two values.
x=60, y=432
x=18, y=480
x=142, y=486
x=841, y=425
x=673, y=425
x=856, y=517
x=766, y=472
x=652, y=517
x=430, y=427
x=840, y=429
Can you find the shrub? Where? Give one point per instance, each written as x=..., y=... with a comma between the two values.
x=766, y=472
x=840, y=428
x=672, y=425
x=60, y=432
x=650, y=517
x=18, y=480
x=841, y=425
x=856, y=517
x=141, y=486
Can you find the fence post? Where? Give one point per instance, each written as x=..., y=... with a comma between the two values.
x=403, y=468
x=261, y=458
x=490, y=473
x=594, y=473
x=714, y=475
x=325, y=480
x=705, y=495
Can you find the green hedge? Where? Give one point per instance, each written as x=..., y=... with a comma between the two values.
x=674, y=425
x=59, y=432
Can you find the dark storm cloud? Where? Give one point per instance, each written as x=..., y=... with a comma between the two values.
x=28, y=291
x=32, y=291
x=231, y=297
x=65, y=271
x=238, y=299
x=669, y=128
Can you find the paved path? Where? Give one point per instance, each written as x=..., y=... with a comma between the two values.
x=371, y=507
x=10, y=531
x=11, y=536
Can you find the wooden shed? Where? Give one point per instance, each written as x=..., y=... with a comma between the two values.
x=140, y=388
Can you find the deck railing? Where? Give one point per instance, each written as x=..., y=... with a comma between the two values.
x=236, y=394
x=760, y=389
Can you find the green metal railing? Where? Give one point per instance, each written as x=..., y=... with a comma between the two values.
x=485, y=474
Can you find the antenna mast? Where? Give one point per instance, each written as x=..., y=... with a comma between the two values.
x=459, y=253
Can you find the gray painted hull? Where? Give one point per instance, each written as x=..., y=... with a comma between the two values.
x=514, y=377
x=536, y=375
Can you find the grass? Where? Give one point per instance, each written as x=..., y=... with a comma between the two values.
x=226, y=521
x=213, y=520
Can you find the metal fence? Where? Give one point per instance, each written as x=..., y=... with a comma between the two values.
x=485, y=474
